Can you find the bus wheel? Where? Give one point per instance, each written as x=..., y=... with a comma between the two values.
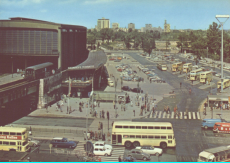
x=163, y=145
x=128, y=144
x=206, y=127
x=136, y=144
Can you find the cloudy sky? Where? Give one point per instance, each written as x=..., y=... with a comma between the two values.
x=180, y=14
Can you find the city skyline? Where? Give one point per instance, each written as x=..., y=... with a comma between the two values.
x=179, y=14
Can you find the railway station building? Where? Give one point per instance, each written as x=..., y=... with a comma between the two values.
x=26, y=42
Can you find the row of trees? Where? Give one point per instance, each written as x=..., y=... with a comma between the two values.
x=209, y=42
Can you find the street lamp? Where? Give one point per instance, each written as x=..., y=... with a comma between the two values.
x=222, y=24
x=207, y=52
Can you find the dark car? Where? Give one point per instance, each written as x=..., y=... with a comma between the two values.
x=126, y=88
x=63, y=142
x=137, y=90
x=135, y=71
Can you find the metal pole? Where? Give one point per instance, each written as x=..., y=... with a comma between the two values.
x=207, y=52
x=222, y=78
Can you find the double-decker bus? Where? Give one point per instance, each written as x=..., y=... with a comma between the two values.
x=195, y=74
x=187, y=67
x=176, y=66
x=217, y=154
x=162, y=67
x=226, y=84
x=14, y=139
x=205, y=76
x=135, y=134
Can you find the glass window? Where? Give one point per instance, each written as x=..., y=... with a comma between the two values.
x=150, y=127
x=169, y=128
x=0, y=133
x=163, y=137
x=170, y=141
x=133, y=151
x=132, y=136
x=96, y=149
x=138, y=152
x=125, y=136
x=5, y=142
x=138, y=127
x=19, y=133
x=6, y=133
x=125, y=126
x=138, y=136
x=164, y=128
x=157, y=127
x=118, y=126
x=12, y=143
x=157, y=137
x=0, y=142
x=144, y=127
x=24, y=143
x=144, y=136
x=132, y=127
x=12, y=133
x=170, y=137
x=23, y=133
x=150, y=137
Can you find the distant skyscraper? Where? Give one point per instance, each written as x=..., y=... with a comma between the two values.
x=103, y=23
x=166, y=27
x=131, y=25
x=115, y=25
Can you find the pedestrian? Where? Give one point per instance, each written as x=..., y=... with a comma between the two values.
x=180, y=84
x=99, y=125
x=165, y=110
x=168, y=110
x=100, y=114
x=192, y=82
x=113, y=104
x=70, y=110
x=107, y=114
x=142, y=99
x=119, y=159
x=67, y=110
x=64, y=98
x=98, y=103
x=103, y=114
x=112, y=123
x=134, y=112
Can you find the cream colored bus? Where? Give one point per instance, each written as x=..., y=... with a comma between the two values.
x=204, y=76
x=162, y=67
x=226, y=84
x=187, y=67
x=135, y=134
x=176, y=66
x=195, y=74
x=14, y=139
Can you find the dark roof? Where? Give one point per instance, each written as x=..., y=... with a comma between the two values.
x=36, y=67
x=94, y=61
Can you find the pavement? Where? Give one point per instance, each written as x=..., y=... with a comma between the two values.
x=8, y=78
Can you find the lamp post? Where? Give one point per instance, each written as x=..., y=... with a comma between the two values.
x=115, y=82
x=222, y=51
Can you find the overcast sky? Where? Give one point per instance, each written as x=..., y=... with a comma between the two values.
x=180, y=14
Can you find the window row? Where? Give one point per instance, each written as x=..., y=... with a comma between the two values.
x=144, y=127
x=148, y=136
x=12, y=133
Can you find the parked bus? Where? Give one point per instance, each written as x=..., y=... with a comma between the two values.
x=205, y=76
x=14, y=139
x=162, y=67
x=177, y=66
x=221, y=127
x=217, y=154
x=226, y=84
x=187, y=67
x=195, y=74
x=129, y=133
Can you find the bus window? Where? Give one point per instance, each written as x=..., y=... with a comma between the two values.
x=12, y=133
x=169, y=128
x=125, y=126
x=144, y=127
x=0, y=133
x=132, y=136
x=164, y=128
x=157, y=137
x=5, y=142
x=125, y=136
x=144, y=136
x=163, y=137
x=150, y=137
x=170, y=137
x=12, y=143
x=24, y=143
x=150, y=127
x=23, y=133
x=132, y=127
x=0, y=142
x=118, y=126
x=19, y=133
x=138, y=127
x=138, y=136
x=157, y=127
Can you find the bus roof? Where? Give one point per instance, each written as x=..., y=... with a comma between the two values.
x=142, y=123
x=218, y=149
x=177, y=63
x=197, y=70
x=12, y=129
x=187, y=64
x=217, y=98
x=206, y=72
x=223, y=124
x=223, y=81
x=36, y=67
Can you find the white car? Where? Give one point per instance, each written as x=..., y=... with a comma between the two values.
x=33, y=142
x=151, y=150
x=102, y=144
x=98, y=151
x=218, y=75
x=110, y=83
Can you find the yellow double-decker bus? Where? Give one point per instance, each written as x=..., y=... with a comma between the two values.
x=14, y=139
x=205, y=76
x=135, y=134
x=187, y=67
x=177, y=66
x=195, y=74
x=162, y=67
x=226, y=84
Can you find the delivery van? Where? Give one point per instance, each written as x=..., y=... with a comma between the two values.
x=209, y=123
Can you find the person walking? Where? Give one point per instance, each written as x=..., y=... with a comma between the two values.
x=113, y=104
x=99, y=125
x=131, y=103
x=67, y=110
x=168, y=110
x=119, y=159
x=134, y=112
x=180, y=84
x=175, y=109
x=100, y=114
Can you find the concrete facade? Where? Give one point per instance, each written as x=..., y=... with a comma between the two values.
x=131, y=25
x=103, y=23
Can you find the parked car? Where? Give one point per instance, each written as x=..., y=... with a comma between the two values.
x=126, y=88
x=98, y=151
x=139, y=154
x=63, y=142
x=33, y=142
x=151, y=150
x=137, y=90
x=102, y=144
x=117, y=60
x=218, y=74
x=110, y=83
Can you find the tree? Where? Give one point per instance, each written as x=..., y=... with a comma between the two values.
x=91, y=40
x=149, y=45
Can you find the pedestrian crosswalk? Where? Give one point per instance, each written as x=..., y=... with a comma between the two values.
x=182, y=115
x=80, y=149
x=117, y=151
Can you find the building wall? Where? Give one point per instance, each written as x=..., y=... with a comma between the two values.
x=103, y=23
x=131, y=25
x=115, y=25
